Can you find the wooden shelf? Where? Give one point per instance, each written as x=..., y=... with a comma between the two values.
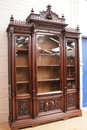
x=22, y=49
x=48, y=65
x=70, y=65
x=70, y=78
x=21, y=82
x=21, y=66
x=42, y=80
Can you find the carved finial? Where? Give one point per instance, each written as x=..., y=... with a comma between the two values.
x=49, y=15
x=32, y=10
x=11, y=19
x=63, y=16
x=77, y=28
x=49, y=7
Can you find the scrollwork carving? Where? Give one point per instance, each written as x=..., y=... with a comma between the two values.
x=50, y=104
x=21, y=29
x=23, y=107
x=71, y=100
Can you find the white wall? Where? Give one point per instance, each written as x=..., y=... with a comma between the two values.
x=72, y=10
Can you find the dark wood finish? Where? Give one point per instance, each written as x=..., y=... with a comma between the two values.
x=43, y=68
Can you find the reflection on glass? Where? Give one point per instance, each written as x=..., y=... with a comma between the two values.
x=22, y=42
x=48, y=63
x=70, y=56
x=70, y=52
x=71, y=85
x=22, y=70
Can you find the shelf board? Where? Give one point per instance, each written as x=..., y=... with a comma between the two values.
x=21, y=49
x=21, y=82
x=42, y=80
x=21, y=66
x=47, y=54
x=70, y=65
x=70, y=78
x=48, y=65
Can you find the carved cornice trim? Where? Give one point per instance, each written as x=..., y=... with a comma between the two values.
x=43, y=26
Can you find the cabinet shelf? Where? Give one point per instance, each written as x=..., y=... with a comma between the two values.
x=70, y=78
x=21, y=66
x=22, y=49
x=21, y=82
x=70, y=65
x=48, y=65
x=42, y=80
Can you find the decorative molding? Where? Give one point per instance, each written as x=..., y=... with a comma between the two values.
x=49, y=104
x=59, y=28
x=23, y=107
x=50, y=94
x=21, y=29
x=71, y=34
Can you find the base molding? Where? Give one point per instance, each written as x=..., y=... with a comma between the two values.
x=44, y=119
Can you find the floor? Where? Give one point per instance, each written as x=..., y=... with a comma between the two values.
x=76, y=123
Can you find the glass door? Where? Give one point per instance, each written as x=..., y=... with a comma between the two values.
x=48, y=63
x=22, y=65
x=70, y=64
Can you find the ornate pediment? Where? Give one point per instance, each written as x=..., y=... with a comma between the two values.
x=48, y=14
x=45, y=15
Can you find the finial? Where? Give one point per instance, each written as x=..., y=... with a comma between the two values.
x=77, y=28
x=32, y=10
x=49, y=7
x=11, y=19
x=62, y=16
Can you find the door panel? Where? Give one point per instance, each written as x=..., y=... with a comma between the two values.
x=84, y=55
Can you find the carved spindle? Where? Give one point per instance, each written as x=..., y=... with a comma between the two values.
x=77, y=28
x=49, y=7
x=32, y=10
x=11, y=19
x=62, y=16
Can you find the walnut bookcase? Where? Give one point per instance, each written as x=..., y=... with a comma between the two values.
x=43, y=68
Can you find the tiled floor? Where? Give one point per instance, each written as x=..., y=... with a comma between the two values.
x=76, y=123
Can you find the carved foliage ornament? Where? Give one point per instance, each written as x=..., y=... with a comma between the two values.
x=23, y=107
x=71, y=100
x=48, y=105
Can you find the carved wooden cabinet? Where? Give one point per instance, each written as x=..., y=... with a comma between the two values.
x=43, y=65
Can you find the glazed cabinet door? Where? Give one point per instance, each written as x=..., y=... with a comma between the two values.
x=22, y=83
x=71, y=73
x=48, y=70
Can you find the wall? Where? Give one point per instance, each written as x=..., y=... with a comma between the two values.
x=20, y=10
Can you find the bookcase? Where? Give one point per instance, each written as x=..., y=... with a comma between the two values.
x=43, y=70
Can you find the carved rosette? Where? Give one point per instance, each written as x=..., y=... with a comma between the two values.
x=71, y=100
x=23, y=107
x=50, y=104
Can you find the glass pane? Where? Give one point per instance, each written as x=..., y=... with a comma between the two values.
x=48, y=63
x=22, y=74
x=22, y=42
x=70, y=59
x=22, y=88
x=22, y=64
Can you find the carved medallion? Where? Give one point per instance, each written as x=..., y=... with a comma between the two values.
x=50, y=104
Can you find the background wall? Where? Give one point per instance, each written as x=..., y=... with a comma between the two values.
x=73, y=11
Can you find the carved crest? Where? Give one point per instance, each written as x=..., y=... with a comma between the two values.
x=48, y=14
